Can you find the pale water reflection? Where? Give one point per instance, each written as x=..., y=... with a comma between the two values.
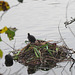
x=40, y=18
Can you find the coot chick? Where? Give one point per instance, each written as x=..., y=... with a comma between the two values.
x=31, y=38
x=8, y=60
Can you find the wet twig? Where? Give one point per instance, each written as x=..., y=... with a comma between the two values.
x=14, y=44
x=66, y=72
x=7, y=10
x=53, y=72
x=71, y=31
x=69, y=22
x=8, y=45
x=2, y=15
x=61, y=36
x=64, y=68
x=72, y=63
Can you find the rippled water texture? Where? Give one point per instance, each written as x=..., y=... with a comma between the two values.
x=40, y=18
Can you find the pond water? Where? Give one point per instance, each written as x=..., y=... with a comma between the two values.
x=40, y=18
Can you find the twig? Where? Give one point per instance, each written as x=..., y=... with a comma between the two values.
x=71, y=31
x=67, y=10
x=53, y=72
x=15, y=5
x=2, y=15
x=8, y=45
x=66, y=72
x=61, y=35
x=72, y=63
x=69, y=22
x=71, y=66
x=71, y=69
x=64, y=68
x=7, y=10
x=14, y=44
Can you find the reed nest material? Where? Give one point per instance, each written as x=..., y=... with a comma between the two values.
x=41, y=55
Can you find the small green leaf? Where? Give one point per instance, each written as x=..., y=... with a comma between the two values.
x=1, y=53
x=10, y=34
x=50, y=52
x=26, y=41
x=0, y=39
x=46, y=46
x=57, y=49
x=20, y=1
x=15, y=58
x=18, y=52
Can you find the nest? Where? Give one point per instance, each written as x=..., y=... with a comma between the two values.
x=41, y=55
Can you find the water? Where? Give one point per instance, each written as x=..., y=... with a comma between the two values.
x=40, y=18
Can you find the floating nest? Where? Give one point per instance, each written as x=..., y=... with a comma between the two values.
x=41, y=55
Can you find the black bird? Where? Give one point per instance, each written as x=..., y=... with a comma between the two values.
x=8, y=60
x=31, y=38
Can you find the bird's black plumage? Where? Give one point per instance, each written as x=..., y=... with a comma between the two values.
x=8, y=60
x=31, y=38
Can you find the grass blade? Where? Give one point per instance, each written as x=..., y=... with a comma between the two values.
x=37, y=53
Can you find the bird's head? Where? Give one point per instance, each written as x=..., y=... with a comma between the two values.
x=28, y=34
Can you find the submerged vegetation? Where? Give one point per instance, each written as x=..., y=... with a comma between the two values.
x=42, y=55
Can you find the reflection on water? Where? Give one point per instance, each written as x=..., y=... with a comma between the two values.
x=40, y=18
